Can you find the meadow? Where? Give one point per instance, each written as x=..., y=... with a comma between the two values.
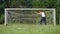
x=29, y=29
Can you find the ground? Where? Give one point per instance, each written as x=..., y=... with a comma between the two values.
x=29, y=29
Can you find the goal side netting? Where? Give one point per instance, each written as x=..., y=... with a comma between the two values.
x=28, y=15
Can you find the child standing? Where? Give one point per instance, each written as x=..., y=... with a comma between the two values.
x=43, y=17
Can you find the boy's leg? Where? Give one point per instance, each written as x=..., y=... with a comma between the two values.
x=44, y=20
x=41, y=21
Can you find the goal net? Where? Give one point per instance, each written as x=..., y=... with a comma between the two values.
x=29, y=15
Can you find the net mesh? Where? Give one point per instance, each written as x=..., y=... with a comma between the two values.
x=28, y=16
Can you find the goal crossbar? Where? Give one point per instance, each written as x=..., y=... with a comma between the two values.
x=53, y=9
x=29, y=8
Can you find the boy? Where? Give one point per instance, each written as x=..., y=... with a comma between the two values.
x=43, y=17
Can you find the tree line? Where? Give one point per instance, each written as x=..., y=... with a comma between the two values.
x=29, y=4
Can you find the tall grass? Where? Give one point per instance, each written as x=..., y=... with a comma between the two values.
x=29, y=29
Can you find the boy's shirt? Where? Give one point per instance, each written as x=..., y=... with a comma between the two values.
x=42, y=14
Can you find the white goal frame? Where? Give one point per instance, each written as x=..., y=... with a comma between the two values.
x=54, y=12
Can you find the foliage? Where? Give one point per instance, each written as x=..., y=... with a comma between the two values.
x=34, y=4
x=44, y=3
x=1, y=19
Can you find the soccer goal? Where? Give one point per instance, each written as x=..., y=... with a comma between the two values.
x=28, y=15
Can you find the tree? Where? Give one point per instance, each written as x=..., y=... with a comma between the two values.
x=31, y=3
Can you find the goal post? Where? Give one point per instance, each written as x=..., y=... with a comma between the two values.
x=30, y=9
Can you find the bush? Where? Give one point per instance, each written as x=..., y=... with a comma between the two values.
x=2, y=19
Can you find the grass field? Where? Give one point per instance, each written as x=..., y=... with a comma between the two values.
x=29, y=29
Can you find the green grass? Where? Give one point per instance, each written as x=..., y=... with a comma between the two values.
x=29, y=29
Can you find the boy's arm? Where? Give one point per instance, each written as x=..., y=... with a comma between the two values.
x=37, y=13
